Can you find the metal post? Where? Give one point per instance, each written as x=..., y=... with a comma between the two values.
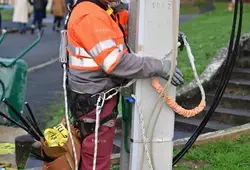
x=151, y=34
x=126, y=117
x=124, y=159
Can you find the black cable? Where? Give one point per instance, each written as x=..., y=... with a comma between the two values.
x=30, y=112
x=231, y=58
x=204, y=118
x=30, y=130
x=13, y=121
x=33, y=126
x=210, y=109
x=34, y=122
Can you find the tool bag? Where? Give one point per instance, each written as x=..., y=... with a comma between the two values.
x=62, y=156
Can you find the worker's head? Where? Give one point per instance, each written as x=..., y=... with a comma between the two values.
x=111, y=3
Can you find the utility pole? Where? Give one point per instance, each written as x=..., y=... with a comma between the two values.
x=152, y=32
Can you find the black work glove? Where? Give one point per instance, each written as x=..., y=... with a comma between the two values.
x=177, y=79
x=181, y=35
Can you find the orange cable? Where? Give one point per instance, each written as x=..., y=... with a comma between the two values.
x=177, y=108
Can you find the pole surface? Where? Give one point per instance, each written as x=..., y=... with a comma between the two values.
x=151, y=34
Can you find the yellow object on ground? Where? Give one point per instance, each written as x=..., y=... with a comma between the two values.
x=56, y=136
x=6, y=166
x=6, y=148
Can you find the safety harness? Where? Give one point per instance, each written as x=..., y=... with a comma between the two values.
x=88, y=126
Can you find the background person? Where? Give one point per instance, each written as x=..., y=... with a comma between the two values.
x=58, y=9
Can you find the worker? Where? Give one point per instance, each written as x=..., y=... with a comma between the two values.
x=98, y=61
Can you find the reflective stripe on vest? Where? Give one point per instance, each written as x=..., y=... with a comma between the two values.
x=84, y=62
x=78, y=51
x=111, y=60
x=101, y=46
x=96, y=50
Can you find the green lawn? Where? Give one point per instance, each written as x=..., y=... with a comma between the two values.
x=6, y=14
x=190, y=9
x=53, y=114
x=207, y=34
x=222, y=155
x=184, y=9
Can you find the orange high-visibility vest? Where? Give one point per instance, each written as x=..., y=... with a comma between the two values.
x=123, y=20
x=95, y=41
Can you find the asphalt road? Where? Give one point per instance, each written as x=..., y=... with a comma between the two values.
x=43, y=85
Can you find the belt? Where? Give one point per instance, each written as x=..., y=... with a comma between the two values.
x=82, y=103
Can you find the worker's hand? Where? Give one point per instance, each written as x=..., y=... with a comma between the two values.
x=181, y=35
x=177, y=79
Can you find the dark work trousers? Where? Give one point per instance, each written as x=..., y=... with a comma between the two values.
x=57, y=21
x=38, y=18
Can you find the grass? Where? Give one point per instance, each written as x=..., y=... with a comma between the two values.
x=191, y=9
x=53, y=114
x=187, y=9
x=6, y=14
x=115, y=167
x=207, y=34
x=222, y=155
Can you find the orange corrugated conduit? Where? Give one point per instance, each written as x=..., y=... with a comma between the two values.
x=171, y=102
x=177, y=108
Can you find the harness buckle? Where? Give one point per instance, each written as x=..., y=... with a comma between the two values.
x=107, y=94
x=100, y=101
x=63, y=47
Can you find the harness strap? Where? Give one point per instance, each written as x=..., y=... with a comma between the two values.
x=102, y=121
x=87, y=126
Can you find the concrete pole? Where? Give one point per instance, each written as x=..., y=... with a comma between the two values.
x=151, y=34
